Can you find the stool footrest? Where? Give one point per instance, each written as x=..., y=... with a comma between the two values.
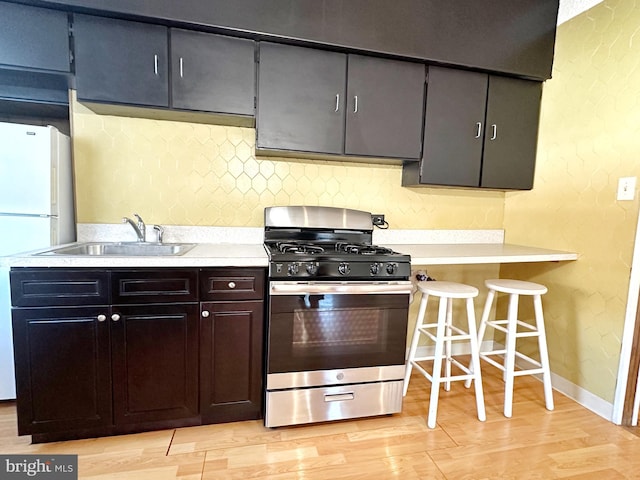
x=453, y=378
x=526, y=371
x=498, y=325
x=459, y=333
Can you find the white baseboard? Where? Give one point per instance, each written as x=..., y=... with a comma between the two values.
x=578, y=394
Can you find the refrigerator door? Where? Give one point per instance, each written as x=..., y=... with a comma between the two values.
x=26, y=170
x=17, y=234
x=24, y=233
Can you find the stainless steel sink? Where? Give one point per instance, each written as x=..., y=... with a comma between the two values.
x=123, y=249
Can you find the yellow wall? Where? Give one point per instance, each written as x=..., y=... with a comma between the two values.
x=589, y=137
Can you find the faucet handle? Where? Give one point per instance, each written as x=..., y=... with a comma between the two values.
x=139, y=218
x=141, y=226
x=160, y=230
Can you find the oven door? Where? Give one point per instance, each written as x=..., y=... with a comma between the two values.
x=334, y=333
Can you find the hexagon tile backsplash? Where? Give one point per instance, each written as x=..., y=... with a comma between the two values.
x=181, y=173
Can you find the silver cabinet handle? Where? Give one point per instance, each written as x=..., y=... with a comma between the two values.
x=337, y=102
x=355, y=104
x=155, y=64
x=102, y=318
x=115, y=317
x=231, y=285
x=181, y=67
x=205, y=313
x=478, y=129
x=494, y=131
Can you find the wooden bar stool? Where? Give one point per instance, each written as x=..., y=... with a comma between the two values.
x=515, y=329
x=443, y=333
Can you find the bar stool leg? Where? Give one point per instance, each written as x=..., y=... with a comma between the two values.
x=475, y=360
x=510, y=360
x=544, y=354
x=447, y=345
x=483, y=326
x=437, y=364
x=414, y=342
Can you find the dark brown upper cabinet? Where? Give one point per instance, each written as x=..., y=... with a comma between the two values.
x=333, y=103
x=384, y=107
x=301, y=99
x=212, y=73
x=34, y=37
x=124, y=62
x=480, y=131
x=118, y=61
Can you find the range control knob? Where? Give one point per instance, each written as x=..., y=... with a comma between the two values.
x=375, y=268
x=312, y=268
x=293, y=268
x=392, y=268
x=344, y=268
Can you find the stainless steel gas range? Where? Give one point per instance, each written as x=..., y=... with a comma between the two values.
x=337, y=317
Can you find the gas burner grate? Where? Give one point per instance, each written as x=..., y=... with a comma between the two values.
x=299, y=248
x=362, y=249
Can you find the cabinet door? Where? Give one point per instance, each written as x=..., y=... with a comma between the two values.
x=121, y=62
x=212, y=73
x=34, y=37
x=384, y=107
x=300, y=99
x=63, y=374
x=154, y=362
x=454, y=122
x=511, y=136
x=231, y=361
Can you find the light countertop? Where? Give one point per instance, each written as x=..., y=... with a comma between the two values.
x=202, y=255
x=238, y=247
x=474, y=253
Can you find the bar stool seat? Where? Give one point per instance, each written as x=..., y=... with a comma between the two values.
x=514, y=328
x=442, y=332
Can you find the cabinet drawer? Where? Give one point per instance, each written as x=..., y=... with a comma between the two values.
x=154, y=286
x=232, y=284
x=35, y=287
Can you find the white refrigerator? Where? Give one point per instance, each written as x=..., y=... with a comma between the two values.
x=36, y=211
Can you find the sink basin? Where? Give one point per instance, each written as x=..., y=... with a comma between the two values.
x=123, y=249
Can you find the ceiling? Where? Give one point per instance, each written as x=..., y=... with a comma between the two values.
x=572, y=8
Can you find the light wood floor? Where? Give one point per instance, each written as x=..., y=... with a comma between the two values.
x=569, y=442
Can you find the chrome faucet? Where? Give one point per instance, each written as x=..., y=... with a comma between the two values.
x=139, y=228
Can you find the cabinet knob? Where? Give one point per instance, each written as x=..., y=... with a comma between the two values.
x=494, y=131
x=115, y=317
x=231, y=285
x=102, y=318
x=205, y=313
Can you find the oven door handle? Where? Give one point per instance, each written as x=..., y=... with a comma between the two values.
x=340, y=288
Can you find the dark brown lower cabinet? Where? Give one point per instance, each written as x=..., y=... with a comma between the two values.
x=154, y=358
x=231, y=336
x=103, y=352
x=63, y=369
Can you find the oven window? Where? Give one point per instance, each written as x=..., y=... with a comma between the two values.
x=323, y=332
